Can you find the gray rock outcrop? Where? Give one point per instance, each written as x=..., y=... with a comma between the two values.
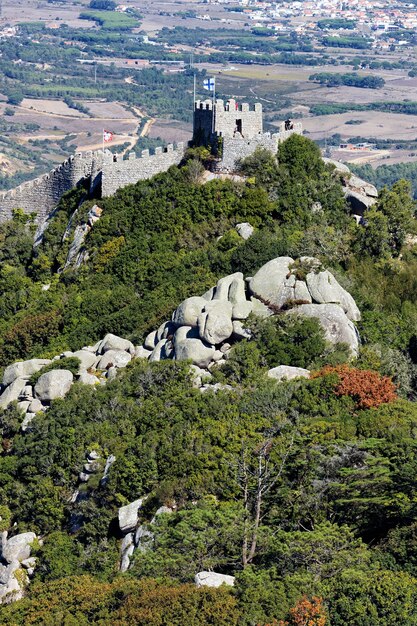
x=287, y=372
x=337, y=327
x=54, y=384
x=188, y=311
x=113, y=357
x=272, y=282
x=128, y=515
x=23, y=369
x=113, y=342
x=213, y=579
x=245, y=230
x=12, y=392
x=15, y=566
x=325, y=289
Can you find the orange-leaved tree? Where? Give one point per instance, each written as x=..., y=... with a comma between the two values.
x=305, y=613
x=367, y=388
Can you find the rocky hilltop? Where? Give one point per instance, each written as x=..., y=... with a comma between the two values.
x=207, y=406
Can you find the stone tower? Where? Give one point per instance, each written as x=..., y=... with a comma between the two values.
x=234, y=131
x=228, y=119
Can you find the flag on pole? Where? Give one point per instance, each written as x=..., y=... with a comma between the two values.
x=107, y=136
x=209, y=84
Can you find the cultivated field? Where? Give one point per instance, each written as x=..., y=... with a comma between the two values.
x=373, y=124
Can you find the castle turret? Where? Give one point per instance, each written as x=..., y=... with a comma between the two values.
x=229, y=119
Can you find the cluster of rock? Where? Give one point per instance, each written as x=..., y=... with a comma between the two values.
x=76, y=253
x=360, y=194
x=137, y=536
x=203, y=329
x=98, y=364
x=16, y=565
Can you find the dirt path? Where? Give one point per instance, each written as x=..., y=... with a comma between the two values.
x=147, y=127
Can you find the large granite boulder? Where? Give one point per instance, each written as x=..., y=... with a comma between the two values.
x=287, y=372
x=231, y=288
x=142, y=353
x=53, y=384
x=13, y=580
x=273, y=283
x=126, y=550
x=12, y=392
x=213, y=579
x=113, y=342
x=186, y=314
x=215, y=323
x=163, y=350
x=88, y=379
x=337, y=327
x=245, y=230
x=116, y=358
x=325, y=289
x=150, y=341
x=17, y=548
x=196, y=350
x=129, y=515
x=23, y=369
x=87, y=359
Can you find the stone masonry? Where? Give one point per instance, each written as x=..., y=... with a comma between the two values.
x=103, y=171
x=236, y=130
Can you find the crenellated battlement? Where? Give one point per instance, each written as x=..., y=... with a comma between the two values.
x=102, y=169
x=236, y=127
x=120, y=173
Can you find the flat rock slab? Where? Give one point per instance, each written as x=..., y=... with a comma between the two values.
x=128, y=515
x=213, y=579
x=287, y=372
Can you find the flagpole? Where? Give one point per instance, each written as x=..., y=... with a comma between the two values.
x=214, y=96
x=194, y=93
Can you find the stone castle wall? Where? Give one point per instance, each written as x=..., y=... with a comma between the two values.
x=236, y=148
x=118, y=174
x=237, y=126
x=42, y=194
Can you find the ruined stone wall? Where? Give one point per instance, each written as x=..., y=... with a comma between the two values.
x=42, y=194
x=118, y=174
x=236, y=148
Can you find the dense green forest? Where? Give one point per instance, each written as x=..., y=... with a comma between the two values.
x=303, y=490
